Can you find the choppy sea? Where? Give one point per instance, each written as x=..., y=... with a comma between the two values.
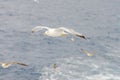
x=97, y=19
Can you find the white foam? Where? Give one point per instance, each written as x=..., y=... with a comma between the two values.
x=74, y=68
x=103, y=77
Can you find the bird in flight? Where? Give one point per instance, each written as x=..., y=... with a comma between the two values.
x=57, y=32
x=87, y=52
x=8, y=64
x=54, y=66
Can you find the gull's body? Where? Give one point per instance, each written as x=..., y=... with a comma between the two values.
x=56, y=32
x=8, y=64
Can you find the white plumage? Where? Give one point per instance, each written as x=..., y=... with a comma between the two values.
x=56, y=32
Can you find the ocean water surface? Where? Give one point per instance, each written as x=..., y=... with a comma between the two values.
x=97, y=19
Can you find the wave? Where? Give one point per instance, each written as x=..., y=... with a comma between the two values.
x=78, y=68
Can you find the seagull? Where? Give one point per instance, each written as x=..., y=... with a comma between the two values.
x=54, y=66
x=87, y=52
x=57, y=32
x=8, y=64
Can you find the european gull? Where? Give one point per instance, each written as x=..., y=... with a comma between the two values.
x=8, y=64
x=56, y=32
x=87, y=52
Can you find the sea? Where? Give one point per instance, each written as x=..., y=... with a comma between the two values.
x=60, y=58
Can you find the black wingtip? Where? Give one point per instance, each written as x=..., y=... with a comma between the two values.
x=22, y=64
x=32, y=31
x=81, y=36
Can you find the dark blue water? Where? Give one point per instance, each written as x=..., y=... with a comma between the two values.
x=97, y=19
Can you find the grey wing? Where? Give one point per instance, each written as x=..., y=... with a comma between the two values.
x=73, y=32
x=18, y=63
x=22, y=64
x=65, y=29
x=59, y=30
x=37, y=28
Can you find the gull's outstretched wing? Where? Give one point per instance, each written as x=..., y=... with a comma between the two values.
x=8, y=64
x=73, y=32
x=18, y=63
x=87, y=52
x=37, y=28
x=22, y=64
